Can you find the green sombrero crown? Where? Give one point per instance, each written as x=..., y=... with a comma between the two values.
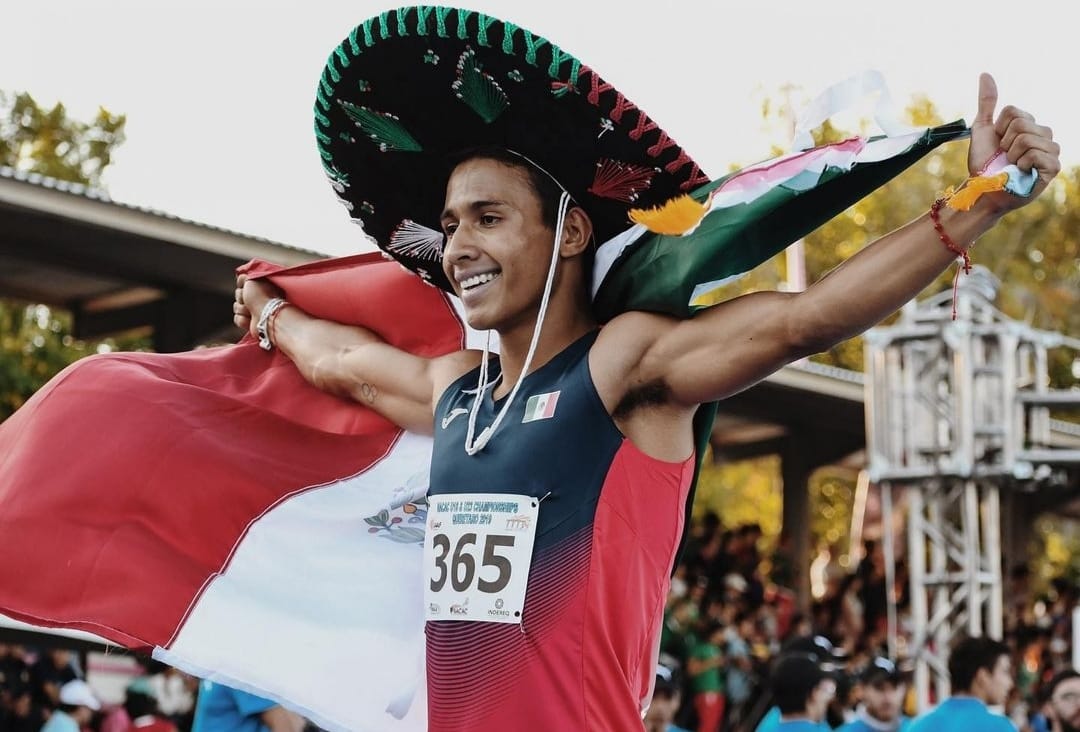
x=412, y=87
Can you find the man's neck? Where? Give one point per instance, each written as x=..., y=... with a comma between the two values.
x=972, y=696
x=562, y=326
x=874, y=723
x=799, y=717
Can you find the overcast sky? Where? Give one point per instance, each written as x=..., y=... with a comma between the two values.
x=219, y=93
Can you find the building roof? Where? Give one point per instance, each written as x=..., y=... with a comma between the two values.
x=117, y=267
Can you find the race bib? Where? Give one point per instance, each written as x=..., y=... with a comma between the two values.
x=477, y=553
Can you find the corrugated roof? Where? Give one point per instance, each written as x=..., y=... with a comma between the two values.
x=98, y=194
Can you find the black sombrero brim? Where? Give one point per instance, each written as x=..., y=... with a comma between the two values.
x=413, y=87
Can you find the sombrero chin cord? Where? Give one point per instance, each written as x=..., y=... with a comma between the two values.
x=474, y=446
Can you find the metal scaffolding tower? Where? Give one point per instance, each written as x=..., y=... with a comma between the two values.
x=956, y=411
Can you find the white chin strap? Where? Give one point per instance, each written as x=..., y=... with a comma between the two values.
x=473, y=446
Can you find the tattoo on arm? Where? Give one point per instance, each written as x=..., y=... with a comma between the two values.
x=368, y=393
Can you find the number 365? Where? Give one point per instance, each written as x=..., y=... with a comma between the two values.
x=462, y=566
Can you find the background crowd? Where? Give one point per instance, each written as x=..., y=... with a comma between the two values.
x=731, y=616
x=733, y=611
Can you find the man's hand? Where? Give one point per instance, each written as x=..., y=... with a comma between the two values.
x=251, y=296
x=1026, y=144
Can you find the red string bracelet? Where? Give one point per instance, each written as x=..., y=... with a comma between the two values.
x=962, y=254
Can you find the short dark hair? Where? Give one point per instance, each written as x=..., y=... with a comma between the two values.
x=1047, y=689
x=970, y=655
x=794, y=678
x=544, y=186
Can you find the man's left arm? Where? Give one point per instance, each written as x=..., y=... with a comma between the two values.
x=732, y=346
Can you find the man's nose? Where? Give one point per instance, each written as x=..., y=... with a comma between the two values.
x=458, y=247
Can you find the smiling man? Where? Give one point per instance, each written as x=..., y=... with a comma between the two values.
x=492, y=163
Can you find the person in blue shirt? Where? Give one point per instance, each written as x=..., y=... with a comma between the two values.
x=220, y=708
x=828, y=657
x=981, y=675
x=77, y=704
x=802, y=690
x=883, y=687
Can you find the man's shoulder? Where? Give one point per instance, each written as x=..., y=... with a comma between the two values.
x=623, y=342
x=946, y=716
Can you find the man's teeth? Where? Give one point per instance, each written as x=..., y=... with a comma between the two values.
x=477, y=280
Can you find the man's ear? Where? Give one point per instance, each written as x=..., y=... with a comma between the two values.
x=577, y=232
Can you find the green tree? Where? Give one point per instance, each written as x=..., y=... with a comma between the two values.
x=35, y=340
x=48, y=141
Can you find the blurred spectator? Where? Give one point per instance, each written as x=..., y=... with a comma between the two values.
x=802, y=690
x=882, y=687
x=705, y=667
x=1063, y=701
x=981, y=675
x=48, y=674
x=141, y=705
x=14, y=688
x=666, y=700
x=76, y=707
x=175, y=693
x=740, y=666
x=220, y=708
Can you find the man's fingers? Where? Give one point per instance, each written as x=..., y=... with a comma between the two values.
x=1026, y=142
x=1047, y=163
x=1023, y=126
x=988, y=96
x=1009, y=115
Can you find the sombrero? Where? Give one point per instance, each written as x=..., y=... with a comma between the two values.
x=411, y=88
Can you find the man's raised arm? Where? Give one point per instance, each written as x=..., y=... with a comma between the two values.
x=733, y=345
x=352, y=362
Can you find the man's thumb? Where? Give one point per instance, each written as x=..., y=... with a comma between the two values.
x=988, y=96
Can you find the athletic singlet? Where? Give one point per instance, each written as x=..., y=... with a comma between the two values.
x=610, y=520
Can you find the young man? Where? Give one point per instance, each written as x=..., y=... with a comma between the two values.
x=586, y=430
x=802, y=690
x=883, y=688
x=666, y=701
x=829, y=659
x=1063, y=701
x=77, y=704
x=981, y=675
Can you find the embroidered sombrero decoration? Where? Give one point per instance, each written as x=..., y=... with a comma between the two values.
x=412, y=87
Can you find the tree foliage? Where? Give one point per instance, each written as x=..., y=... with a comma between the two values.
x=49, y=142
x=35, y=340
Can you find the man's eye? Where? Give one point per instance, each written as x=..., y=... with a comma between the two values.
x=449, y=230
x=489, y=219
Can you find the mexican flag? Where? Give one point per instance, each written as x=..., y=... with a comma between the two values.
x=214, y=509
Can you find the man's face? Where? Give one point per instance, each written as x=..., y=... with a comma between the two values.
x=661, y=713
x=999, y=682
x=884, y=700
x=1065, y=705
x=498, y=249
x=818, y=704
x=60, y=658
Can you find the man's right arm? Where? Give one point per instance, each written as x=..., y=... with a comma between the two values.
x=352, y=362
